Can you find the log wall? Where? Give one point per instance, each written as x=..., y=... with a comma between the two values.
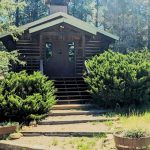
x=29, y=52
x=86, y=47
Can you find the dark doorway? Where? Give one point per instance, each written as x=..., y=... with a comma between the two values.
x=59, y=58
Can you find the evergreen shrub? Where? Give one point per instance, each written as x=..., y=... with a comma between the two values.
x=23, y=95
x=119, y=79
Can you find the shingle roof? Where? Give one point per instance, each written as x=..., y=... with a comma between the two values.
x=59, y=18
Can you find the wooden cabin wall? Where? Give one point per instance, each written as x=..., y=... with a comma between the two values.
x=86, y=47
x=92, y=46
x=28, y=47
x=96, y=45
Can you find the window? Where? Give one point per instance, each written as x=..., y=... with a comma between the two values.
x=71, y=51
x=49, y=48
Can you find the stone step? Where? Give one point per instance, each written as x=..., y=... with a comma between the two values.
x=74, y=101
x=80, y=129
x=72, y=106
x=56, y=120
x=78, y=112
x=66, y=134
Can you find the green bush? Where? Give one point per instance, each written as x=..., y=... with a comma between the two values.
x=135, y=133
x=23, y=95
x=119, y=79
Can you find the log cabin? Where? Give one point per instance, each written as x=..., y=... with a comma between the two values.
x=58, y=44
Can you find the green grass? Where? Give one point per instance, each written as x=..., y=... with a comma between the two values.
x=109, y=123
x=55, y=142
x=136, y=121
x=85, y=143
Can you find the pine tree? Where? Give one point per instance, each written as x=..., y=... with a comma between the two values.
x=34, y=10
x=149, y=25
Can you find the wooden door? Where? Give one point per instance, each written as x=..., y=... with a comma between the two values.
x=59, y=58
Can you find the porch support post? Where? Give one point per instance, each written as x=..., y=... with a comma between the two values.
x=41, y=66
x=41, y=59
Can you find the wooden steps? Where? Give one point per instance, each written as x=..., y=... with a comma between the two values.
x=71, y=91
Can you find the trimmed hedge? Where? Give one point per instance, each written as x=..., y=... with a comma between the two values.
x=119, y=79
x=23, y=95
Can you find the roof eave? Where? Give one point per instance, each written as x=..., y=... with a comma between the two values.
x=108, y=34
x=48, y=22
x=63, y=20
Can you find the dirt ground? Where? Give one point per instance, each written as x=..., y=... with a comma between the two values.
x=66, y=143
x=80, y=127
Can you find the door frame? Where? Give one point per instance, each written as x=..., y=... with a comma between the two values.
x=65, y=43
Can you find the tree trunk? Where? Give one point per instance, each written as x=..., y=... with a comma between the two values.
x=97, y=9
x=17, y=15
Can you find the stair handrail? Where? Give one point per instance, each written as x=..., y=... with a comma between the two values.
x=87, y=72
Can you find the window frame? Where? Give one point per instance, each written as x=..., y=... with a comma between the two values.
x=48, y=50
x=71, y=58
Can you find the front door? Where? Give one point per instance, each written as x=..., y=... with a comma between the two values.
x=59, y=58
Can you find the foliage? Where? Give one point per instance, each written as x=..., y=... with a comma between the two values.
x=23, y=95
x=135, y=133
x=7, y=24
x=119, y=79
x=7, y=60
x=139, y=128
x=82, y=9
x=125, y=18
x=140, y=121
x=9, y=123
x=33, y=11
x=130, y=20
x=84, y=143
x=7, y=13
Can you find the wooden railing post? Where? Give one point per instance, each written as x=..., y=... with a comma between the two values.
x=41, y=66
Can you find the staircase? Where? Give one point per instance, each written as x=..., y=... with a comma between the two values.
x=74, y=113
x=71, y=93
